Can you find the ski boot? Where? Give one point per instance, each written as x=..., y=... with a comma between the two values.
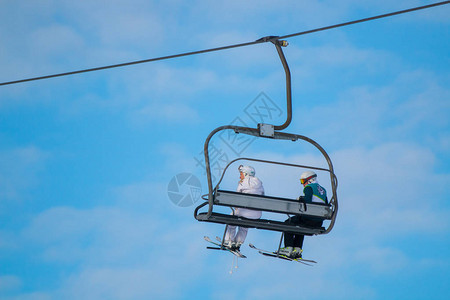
x=228, y=244
x=297, y=253
x=286, y=251
x=236, y=246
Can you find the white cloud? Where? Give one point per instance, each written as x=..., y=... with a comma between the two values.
x=121, y=253
x=43, y=41
x=125, y=253
x=176, y=112
x=339, y=54
x=8, y=283
x=61, y=36
x=120, y=283
x=100, y=235
x=140, y=245
x=382, y=260
x=411, y=107
x=138, y=195
x=425, y=111
x=379, y=188
x=19, y=170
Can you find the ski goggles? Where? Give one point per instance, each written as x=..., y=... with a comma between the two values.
x=305, y=180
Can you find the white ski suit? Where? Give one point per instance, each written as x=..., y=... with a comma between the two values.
x=249, y=185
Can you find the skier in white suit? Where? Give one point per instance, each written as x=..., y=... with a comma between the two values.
x=248, y=184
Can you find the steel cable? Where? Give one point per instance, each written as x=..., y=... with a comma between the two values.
x=259, y=41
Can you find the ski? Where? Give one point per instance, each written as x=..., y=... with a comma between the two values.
x=214, y=248
x=274, y=254
x=285, y=257
x=220, y=241
x=221, y=247
x=235, y=250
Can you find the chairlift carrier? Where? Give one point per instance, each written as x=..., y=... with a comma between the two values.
x=217, y=197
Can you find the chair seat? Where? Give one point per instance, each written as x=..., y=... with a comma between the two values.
x=259, y=224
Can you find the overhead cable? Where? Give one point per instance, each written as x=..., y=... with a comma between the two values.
x=259, y=41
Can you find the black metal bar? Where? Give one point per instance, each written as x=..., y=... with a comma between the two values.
x=261, y=40
x=279, y=245
x=278, y=44
x=208, y=166
x=223, y=237
x=365, y=19
x=263, y=224
x=268, y=162
x=253, y=131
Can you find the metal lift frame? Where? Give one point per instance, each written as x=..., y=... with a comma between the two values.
x=264, y=203
x=267, y=203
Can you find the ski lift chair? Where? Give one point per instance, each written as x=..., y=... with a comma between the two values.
x=290, y=207
x=217, y=197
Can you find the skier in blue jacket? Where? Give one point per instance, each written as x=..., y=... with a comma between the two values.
x=313, y=193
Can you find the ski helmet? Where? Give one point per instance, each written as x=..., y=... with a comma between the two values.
x=307, y=176
x=247, y=170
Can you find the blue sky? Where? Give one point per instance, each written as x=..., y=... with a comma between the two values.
x=85, y=160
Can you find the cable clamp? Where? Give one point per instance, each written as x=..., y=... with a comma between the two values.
x=266, y=130
x=270, y=38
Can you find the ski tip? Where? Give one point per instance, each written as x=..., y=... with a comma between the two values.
x=251, y=246
x=207, y=238
x=307, y=260
x=305, y=263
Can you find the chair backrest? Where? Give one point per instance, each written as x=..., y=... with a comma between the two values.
x=272, y=204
